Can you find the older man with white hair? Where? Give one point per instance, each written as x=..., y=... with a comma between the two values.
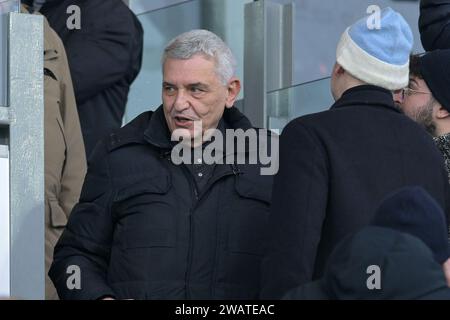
x=150, y=227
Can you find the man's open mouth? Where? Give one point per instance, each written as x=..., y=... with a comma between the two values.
x=183, y=120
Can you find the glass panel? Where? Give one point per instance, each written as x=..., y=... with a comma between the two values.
x=290, y=103
x=318, y=26
x=224, y=17
x=9, y=6
x=139, y=6
x=5, y=8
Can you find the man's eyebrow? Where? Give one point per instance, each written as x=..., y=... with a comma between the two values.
x=198, y=84
x=190, y=85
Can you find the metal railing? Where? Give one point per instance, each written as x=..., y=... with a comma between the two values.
x=22, y=127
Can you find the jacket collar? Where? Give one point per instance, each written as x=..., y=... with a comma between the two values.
x=367, y=95
x=158, y=134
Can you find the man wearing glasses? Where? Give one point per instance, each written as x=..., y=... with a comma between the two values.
x=426, y=100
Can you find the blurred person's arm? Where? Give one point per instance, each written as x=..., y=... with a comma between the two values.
x=75, y=158
x=86, y=241
x=65, y=161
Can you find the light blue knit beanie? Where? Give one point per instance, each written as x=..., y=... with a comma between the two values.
x=378, y=56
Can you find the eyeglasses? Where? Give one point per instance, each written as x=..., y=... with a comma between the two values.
x=409, y=92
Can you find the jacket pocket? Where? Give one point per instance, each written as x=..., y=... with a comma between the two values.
x=249, y=219
x=152, y=185
x=257, y=188
x=147, y=214
x=58, y=218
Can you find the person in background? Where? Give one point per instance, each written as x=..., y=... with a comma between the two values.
x=105, y=56
x=65, y=160
x=426, y=100
x=412, y=210
x=377, y=263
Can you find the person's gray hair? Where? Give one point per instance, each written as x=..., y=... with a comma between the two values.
x=203, y=42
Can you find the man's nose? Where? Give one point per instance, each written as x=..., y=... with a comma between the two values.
x=398, y=97
x=181, y=101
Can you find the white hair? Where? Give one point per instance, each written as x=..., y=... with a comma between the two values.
x=203, y=42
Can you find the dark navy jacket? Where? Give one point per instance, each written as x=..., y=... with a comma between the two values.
x=142, y=231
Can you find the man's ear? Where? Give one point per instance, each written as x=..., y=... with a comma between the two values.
x=441, y=111
x=338, y=70
x=233, y=87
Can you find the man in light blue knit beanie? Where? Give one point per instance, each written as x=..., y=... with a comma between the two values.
x=336, y=166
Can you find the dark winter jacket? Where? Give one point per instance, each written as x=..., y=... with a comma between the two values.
x=378, y=264
x=335, y=168
x=104, y=57
x=142, y=230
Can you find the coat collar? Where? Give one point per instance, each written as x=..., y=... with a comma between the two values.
x=367, y=95
x=158, y=134
x=151, y=127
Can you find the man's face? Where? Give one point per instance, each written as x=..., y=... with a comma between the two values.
x=418, y=104
x=192, y=91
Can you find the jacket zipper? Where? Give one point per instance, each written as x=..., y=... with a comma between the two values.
x=235, y=172
x=197, y=200
x=193, y=187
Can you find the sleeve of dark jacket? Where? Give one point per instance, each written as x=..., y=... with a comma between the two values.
x=86, y=240
x=297, y=212
x=106, y=48
x=434, y=24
